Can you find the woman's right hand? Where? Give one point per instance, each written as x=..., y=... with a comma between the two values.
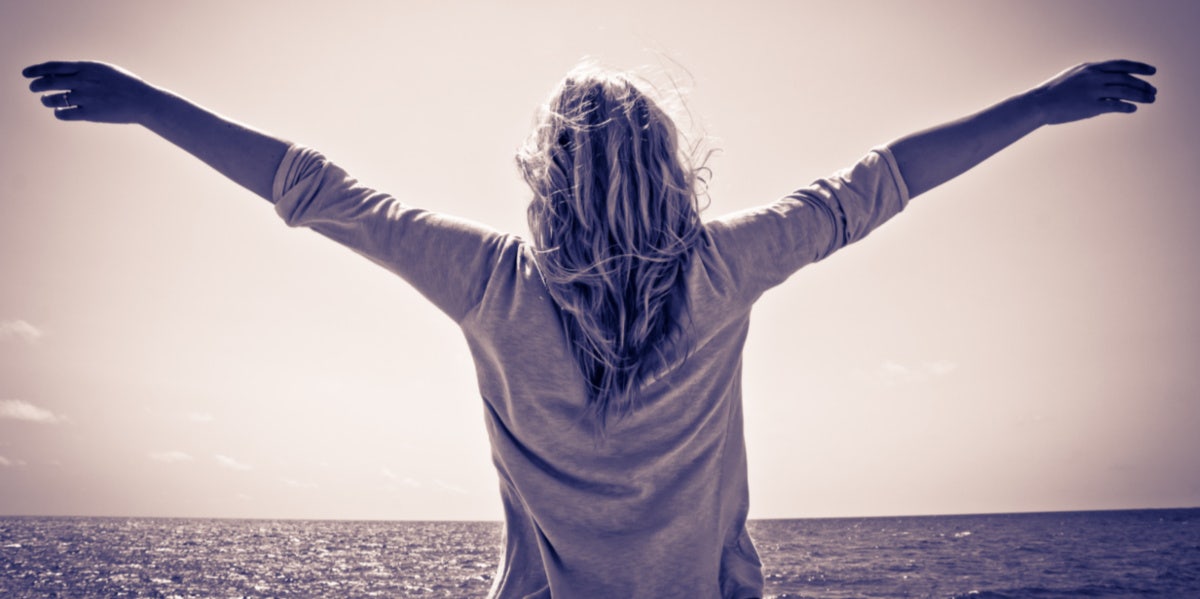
x=104, y=93
x=92, y=91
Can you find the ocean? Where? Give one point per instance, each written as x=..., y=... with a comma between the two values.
x=1136, y=553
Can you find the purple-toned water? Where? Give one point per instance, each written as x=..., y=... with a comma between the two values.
x=1143, y=553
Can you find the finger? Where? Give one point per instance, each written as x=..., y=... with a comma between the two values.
x=1122, y=92
x=62, y=100
x=1125, y=66
x=1111, y=79
x=53, y=82
x=1126, y=92
x=56, y=67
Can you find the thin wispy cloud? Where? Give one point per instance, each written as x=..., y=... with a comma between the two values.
x=231, y=463
x=17, y=409
x=392, y=476
x=10, y=463
x=941, y=367
x=200, y=417
x=895, y=373
x=19, y=329
x=441, y=484
x=170, y=457
x=295, y=484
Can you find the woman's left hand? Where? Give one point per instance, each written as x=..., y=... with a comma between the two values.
x=1092, y=89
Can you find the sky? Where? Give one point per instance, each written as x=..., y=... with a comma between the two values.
x=1023, y=338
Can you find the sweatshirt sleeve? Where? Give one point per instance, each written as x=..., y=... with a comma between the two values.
x=762, y=247
x=447, y=259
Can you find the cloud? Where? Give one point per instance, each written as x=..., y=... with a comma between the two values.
x=19, y=329
x=406, y=481
x=295, y=484
x=230, y=463
x=9, y=463
x=16, y=409
x=940, y=367
x=200, y=417
x=449, y=487
x=894, y=373
x=170, y=457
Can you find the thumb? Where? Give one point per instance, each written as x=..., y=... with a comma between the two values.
x=1113, y=105
x=74, y=113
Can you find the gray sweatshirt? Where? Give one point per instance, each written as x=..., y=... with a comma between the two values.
x=659, y=508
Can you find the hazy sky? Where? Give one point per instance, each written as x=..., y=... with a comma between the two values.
x=1023, y=338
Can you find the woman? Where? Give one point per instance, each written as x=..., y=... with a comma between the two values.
x=608, y=347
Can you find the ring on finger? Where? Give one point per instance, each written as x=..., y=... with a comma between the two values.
x=66, y=99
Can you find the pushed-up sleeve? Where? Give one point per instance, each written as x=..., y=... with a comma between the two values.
x=447, y=259
x=763, y=246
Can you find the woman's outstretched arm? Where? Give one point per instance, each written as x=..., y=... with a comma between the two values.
x=103, y=93
x=931, y=157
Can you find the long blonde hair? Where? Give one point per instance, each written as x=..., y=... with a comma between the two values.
x=614, y=218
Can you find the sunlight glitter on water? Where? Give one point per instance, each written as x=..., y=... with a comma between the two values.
x=1080, y=554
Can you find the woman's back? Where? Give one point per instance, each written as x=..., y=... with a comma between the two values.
x=654, y=509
